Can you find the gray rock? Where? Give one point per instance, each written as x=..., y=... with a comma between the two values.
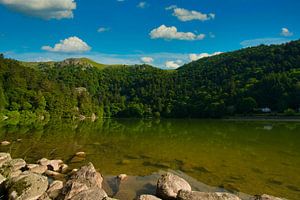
x=28, y=186
x=4, y=157
x=148, y=197
x=188, y=195
x=86, y=182
x=169, y=185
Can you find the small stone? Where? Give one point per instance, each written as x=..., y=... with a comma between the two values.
x=63, y=168
x=77, y=159
x=5, y=143
x=80, y=154
x=19, y=140
x=43, y=161
x=122, y=177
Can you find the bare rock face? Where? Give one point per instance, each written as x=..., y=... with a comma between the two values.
x=188, y=195
x=169, y=185
x=84, y=184
x=27, y=186
x=148, y=197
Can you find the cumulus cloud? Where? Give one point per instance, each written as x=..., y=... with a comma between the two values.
x=103, y=29
x=189, y=15
x=45, y=9
x=173, y=64
x=69, y=45
x=286, y=32
x=194, y=56
x=171, y=33
x=147, y=59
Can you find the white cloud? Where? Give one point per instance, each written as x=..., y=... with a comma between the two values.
x=147, y=59
x=142, y=4
x=171, y=7
x=265, y=41
x=45, y=9
x=286, y=32
x=103, y=29
x=69, y=45
x=173, y=64
x=189, y=15
x=171, y=33
x=194, y=56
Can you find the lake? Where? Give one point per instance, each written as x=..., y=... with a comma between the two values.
x=252, y=157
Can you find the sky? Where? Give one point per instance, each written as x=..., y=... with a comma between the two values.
x=163, y=33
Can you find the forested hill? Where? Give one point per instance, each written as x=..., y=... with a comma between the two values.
x=239, y=82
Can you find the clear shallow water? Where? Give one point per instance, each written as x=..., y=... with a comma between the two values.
x=247, y=156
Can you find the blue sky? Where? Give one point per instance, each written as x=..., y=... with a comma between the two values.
x=165, y=33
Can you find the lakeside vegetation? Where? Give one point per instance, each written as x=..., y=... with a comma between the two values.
x=237, y=83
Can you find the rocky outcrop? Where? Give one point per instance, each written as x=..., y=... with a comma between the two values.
x=169, y=185
x=188, y=195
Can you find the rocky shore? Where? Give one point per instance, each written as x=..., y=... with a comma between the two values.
x=53, y=179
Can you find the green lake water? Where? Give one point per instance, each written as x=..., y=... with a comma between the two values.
x=246, y=156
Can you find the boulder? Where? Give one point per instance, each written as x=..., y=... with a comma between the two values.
x=28, y=186
x=86, y=182
x=169, y=185
x=54, y=174
x=63, y=168
x=4, y=157
x=148, y=197
x=188, y=195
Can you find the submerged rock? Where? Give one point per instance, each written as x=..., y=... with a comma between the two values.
x=267, y=197
x=5, y=143
x=169, y=185
x=191, y=195
x=27, y=186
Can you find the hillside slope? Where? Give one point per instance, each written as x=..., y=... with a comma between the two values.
x=232, y=83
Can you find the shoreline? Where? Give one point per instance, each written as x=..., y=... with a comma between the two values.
x=52, y=179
